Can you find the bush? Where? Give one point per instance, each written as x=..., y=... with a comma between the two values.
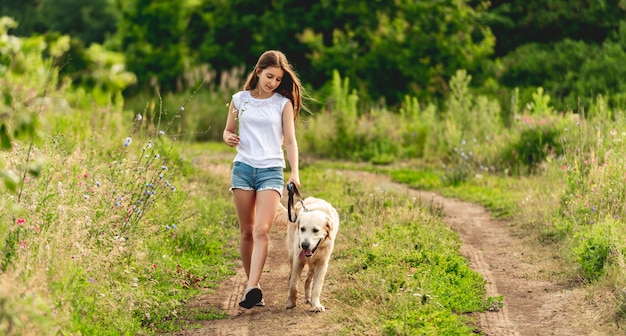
x=533, y=146
x=598, y=246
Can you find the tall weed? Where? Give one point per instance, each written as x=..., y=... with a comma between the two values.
x=97, y=217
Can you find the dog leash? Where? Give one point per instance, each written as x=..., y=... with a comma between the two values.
x=291, y=188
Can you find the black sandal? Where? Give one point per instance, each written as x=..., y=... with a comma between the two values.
x=251, y=297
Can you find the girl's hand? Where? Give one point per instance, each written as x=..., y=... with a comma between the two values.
x=295, y=180
x=232, y=140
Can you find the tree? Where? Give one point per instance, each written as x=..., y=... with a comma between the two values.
x=519, y=22
x=402, y=47
x=152, y=34
x=89, y=21
x=24, y=12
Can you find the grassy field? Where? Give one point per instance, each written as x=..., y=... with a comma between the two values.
x=109, y=224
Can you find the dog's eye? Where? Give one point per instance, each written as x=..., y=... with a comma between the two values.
x=316, y=230
x=302, y=229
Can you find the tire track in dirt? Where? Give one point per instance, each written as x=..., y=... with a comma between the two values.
x=467, y=220
x=532, y=305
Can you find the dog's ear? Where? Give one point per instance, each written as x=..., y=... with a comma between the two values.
x=329, y=227
x=297, y=207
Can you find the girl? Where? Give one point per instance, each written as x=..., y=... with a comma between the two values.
x=261, y=118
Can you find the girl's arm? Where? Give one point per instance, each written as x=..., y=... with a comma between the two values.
x=291, y=145
x=230, y=136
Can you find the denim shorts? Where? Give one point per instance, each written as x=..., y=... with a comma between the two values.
x=246, y=177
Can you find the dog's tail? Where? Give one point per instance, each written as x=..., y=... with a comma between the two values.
x=282, y=218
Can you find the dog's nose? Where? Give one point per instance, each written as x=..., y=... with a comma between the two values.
x=305, y=245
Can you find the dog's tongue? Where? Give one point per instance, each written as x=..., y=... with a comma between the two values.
x=303, y=254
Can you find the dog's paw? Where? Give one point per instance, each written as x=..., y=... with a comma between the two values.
x=317, y=308
x=290, y=304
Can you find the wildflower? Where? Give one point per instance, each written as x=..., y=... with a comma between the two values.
x=161, y=176
x=139, y=117
x=86, y=196
x=182, y=108
x=149, y=143
x=20, y=221
x=167, y=227
x=156, y=156
x=148, y=192
x=164, y=167
x=173, y=226
x=91, y=280
x=127, y=142
x=161, y=132
x=150, y=185
x=97, y=183
x=173, y=188
x=117, y=204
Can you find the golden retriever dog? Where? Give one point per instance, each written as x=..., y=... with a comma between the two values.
x=310, y=242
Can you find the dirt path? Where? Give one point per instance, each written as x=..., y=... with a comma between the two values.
x=533, y=305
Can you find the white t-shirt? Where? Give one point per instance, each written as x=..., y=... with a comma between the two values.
x=260, y=124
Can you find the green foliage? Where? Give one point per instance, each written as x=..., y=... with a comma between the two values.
x=382, y=136
x=537, y=141
x=410, y=47
x=89, y=21
x=592, y=256
x=152, y=36
x=24, y=12
x=417, y=178
x=169, y=44
x=415, y=126
x=568, y=70
x=520, y=22
x=96, y=203
x=598, y=246
x=592, y=202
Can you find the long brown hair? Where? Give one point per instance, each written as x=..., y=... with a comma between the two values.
x=289, y=86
